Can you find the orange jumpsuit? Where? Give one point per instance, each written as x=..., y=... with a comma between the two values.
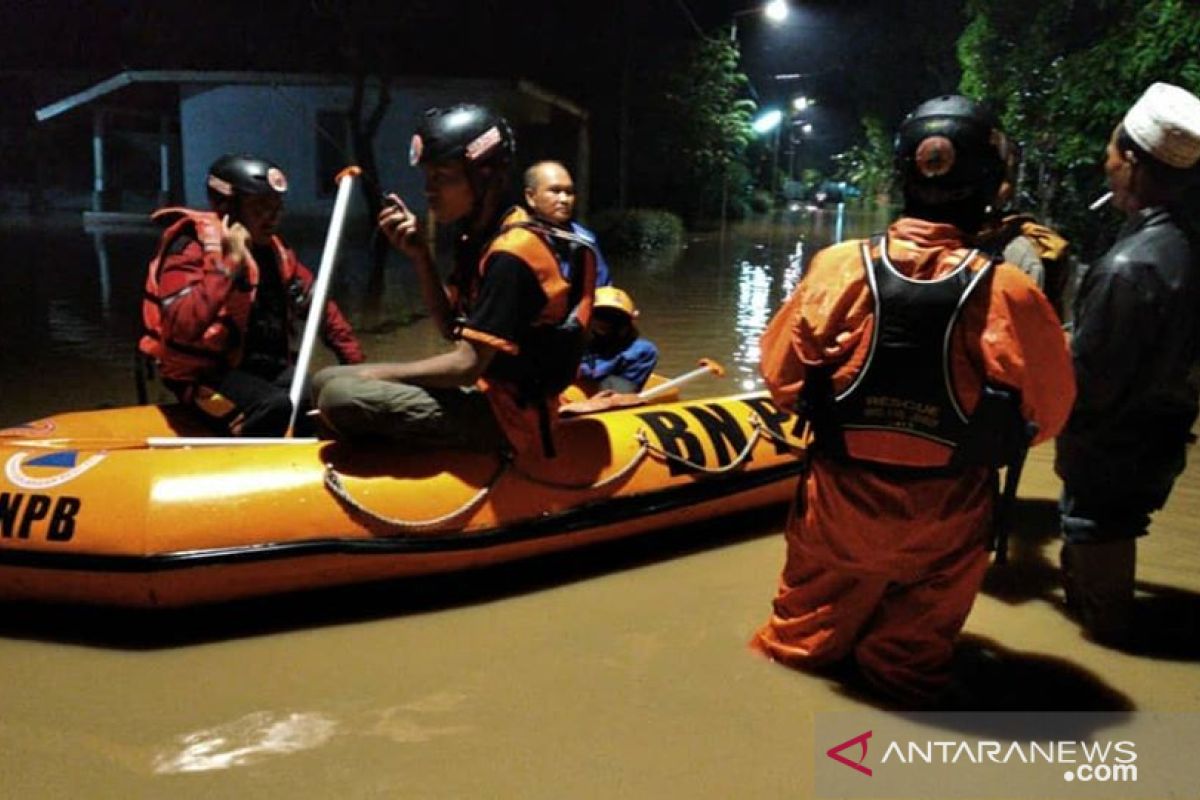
x=881, y=565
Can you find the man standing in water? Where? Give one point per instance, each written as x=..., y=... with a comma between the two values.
x=516, y=324
x=901, y=351
x=225, y=300
x=1135, y=349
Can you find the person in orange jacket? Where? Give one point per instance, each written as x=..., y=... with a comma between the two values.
x=226, y=300
x=517, y=326
x=919, y=364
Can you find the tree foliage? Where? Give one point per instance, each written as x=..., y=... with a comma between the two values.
x=868, y=165
x=692, y=130
x=1061, y=73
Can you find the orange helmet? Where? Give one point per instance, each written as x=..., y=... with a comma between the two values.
x=612, y=297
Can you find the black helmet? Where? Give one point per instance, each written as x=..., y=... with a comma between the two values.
x=949, y=150
x=473, y=133
x=233, y=175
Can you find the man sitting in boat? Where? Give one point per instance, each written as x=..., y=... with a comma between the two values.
x=550, y=195
x=920, y=365
x=225, y=299
x=617, y=357
x=516, y=325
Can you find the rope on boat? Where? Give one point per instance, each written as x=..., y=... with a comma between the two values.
x=783, y=441
x=619, y=475
x=737, y=463
x=333, y=482
x=759, y=431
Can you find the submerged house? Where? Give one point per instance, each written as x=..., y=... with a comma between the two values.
x=154, y=133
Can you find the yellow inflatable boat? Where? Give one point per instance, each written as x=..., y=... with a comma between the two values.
x=122, y=507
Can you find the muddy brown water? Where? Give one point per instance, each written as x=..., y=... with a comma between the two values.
x=615, y=671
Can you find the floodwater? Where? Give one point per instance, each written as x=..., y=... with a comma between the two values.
x=615, y=671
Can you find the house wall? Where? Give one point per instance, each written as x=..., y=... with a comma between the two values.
x=280, y=123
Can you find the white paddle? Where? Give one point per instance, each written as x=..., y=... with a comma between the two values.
x=320, y=290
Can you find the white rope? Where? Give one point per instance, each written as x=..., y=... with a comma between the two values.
x=333, y=482
x=619, y=475
x=737, y=463
x=781, y=440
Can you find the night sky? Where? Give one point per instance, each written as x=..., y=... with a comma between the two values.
x=870, y=56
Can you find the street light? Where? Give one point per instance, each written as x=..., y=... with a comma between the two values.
x=801, y=103
x=767, y=121
x=775, y=11
x=763, y=124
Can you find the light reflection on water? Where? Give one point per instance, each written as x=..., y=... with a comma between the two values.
x=69, y=310
x=245, y=741
x=753, y=314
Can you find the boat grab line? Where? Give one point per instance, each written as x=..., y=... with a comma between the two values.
x=737, y=463
x=396, y=526
x=619, y=475
x=333, y=482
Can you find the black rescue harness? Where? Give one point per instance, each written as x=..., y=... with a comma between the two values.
x=905, y=385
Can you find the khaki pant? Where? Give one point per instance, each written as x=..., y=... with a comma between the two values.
x=362, y=409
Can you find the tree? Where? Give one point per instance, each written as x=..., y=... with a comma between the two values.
x=1061, y=73
x=691, y=129
x=868, y=165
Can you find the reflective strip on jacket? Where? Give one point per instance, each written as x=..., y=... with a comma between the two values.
x=875, y=521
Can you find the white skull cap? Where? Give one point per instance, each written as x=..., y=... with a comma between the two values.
x=1165, y=122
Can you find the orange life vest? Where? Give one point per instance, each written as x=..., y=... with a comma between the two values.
x=553, y=346
x=220, y=344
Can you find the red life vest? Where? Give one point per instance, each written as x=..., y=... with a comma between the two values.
x=220, y=345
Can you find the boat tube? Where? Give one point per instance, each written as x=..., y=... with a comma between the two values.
x=125, y=507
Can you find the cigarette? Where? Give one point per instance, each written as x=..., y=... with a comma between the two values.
x=1100, y=201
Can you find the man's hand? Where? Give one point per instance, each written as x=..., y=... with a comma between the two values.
x=402, y=228
x=234, y=238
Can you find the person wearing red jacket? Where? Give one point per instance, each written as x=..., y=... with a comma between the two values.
x=226, y=301
x=920, y=365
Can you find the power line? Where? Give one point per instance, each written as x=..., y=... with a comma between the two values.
x=687, y=12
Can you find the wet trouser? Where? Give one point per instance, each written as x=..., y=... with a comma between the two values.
x=900, y=633
x=357, y=408
x=242, y=404
x=1099, y=556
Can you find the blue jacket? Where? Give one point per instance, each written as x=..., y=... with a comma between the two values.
x=602, y=276
x=634, y=364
